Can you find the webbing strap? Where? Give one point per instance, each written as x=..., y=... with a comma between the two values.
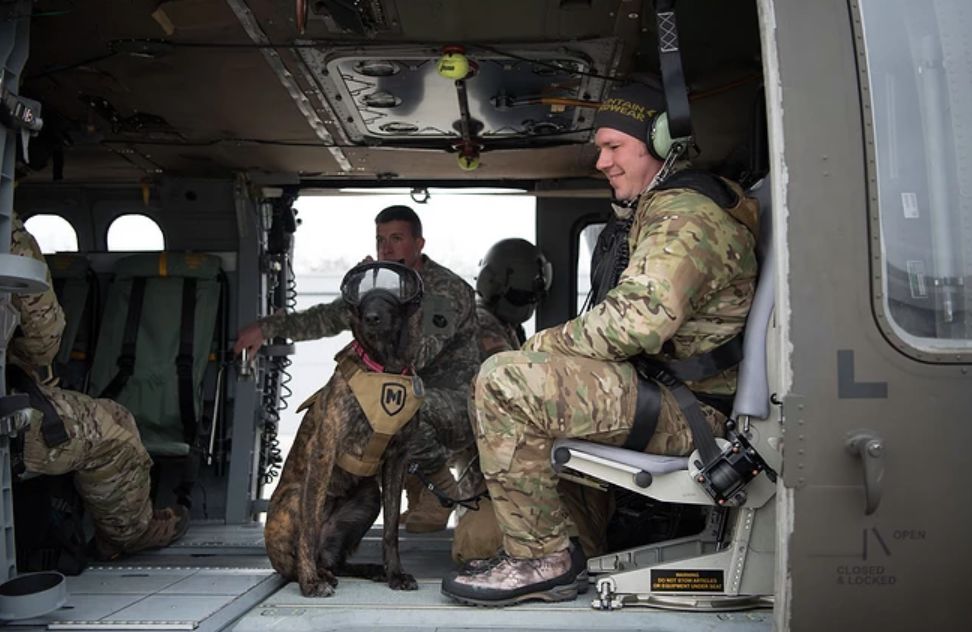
x=647, y=409
x=688, y=403
x=52, y=427
x=710, y=363
x=673, y=78
x=126, y=359
x=187, y=404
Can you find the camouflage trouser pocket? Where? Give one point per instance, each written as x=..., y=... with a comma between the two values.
x=496, y=450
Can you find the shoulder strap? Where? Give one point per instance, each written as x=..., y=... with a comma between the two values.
x=126, y=360
x=184, y=361
x=52, y=427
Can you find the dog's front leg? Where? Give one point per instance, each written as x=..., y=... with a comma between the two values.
x=320, y=456
x=392, y=475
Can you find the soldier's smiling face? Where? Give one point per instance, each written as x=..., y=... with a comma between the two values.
x=625, y=161
x=394, y=241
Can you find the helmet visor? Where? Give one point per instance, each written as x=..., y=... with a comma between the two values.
x=402, y=283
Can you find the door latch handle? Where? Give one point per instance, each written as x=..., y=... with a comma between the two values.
x=869, y=447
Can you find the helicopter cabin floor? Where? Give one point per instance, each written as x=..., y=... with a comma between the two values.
x=217, y=577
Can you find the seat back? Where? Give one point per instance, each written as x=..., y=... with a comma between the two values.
x=154, y=343
x=752, y=386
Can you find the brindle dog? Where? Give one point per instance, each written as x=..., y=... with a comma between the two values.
x=319, y=512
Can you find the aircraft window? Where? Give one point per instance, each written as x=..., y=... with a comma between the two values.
x=918, y=56
x=53, y=233
x=586, y=241
x=336, y=232
x=135, y=232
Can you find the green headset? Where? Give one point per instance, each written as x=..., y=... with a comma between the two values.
x=659, y=138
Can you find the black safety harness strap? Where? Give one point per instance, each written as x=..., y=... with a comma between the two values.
x=187, y=405
x=472, y=502
x=52, y=427
x=126, y=360
x=673, y=78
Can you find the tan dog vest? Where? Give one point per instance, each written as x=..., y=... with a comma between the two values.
x=388, y=401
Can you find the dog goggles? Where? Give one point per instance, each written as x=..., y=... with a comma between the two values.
x=401, y=282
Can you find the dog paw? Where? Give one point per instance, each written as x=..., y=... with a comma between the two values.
x=317, y=589
x=402, y=581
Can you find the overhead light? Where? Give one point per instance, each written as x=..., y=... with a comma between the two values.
x=380, y=99
x=399, y=127
x=376, y=68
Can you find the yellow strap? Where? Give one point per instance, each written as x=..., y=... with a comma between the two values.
x=163, y=264
x=357, y=466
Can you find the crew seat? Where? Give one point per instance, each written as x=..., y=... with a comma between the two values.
x=730, y=565
x=155, y=341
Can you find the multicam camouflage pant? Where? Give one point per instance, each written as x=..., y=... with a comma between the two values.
x=527, y=399
x=110, y=464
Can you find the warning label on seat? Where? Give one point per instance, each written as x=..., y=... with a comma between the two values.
x=687, y=580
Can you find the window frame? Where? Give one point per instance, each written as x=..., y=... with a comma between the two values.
x=878, y=260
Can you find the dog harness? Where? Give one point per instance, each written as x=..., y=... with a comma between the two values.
x=389, y=402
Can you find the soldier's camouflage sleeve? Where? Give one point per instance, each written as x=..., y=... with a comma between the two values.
x=41, y=316
x=494, y=336
x=449, y=357
x=320, y=321
x=685, y=248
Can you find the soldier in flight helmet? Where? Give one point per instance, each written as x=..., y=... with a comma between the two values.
x=513, y=277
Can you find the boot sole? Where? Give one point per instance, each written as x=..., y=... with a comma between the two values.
x=567, y=592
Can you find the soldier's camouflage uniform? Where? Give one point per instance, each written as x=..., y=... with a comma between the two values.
x=494, y=334
x=690, y=279
x=447, y=362
x=110, y=464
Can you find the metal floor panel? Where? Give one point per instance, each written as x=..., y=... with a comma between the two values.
x=360, y=605
x=158, y=597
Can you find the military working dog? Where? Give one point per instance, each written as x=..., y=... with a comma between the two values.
x=329, y=494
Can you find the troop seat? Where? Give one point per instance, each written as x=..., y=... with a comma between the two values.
x=76, y=287
x=731, y=565
x=154, y=343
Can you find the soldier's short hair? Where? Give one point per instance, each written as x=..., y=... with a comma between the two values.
x=400, y=212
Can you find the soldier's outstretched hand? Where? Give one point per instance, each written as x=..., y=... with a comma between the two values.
x=249, y=338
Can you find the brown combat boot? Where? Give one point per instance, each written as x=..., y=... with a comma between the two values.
x=428, y=514
x=505, y=580
x=413, y=490
x=166, y=526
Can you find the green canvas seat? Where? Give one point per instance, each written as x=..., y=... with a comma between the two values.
x=154, y=343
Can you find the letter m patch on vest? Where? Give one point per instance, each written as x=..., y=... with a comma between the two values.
x=392, y=398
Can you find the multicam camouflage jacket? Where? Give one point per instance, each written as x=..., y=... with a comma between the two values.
x=36, y=340
x=690, y=280
x=448, y=358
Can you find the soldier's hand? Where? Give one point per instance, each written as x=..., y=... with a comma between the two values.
x=249, y=338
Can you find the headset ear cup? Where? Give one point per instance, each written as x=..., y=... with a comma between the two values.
x=659, y=137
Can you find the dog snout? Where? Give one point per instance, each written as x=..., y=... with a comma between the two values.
x=372, y=318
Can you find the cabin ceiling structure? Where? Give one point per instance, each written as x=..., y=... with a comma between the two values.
x=347, y=90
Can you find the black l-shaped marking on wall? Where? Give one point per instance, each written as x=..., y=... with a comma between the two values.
x=847, y=388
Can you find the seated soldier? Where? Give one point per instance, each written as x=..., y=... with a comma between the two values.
x=513, y=278
x=674, y=278
x=96, y=439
